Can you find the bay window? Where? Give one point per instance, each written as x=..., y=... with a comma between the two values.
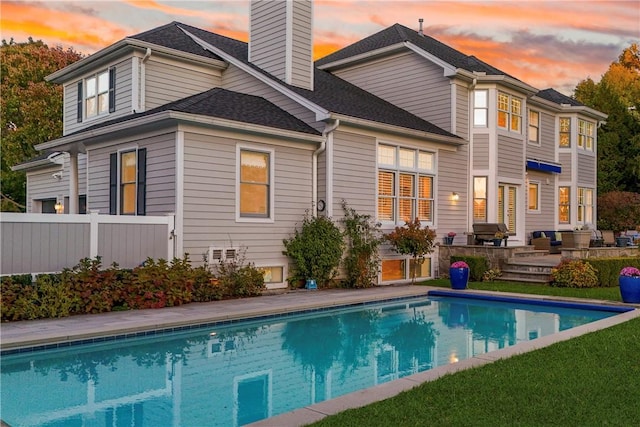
x=564, y=132
x=480, y=199
x=509, y=112
x=585, y=205
x=564, y=205
x=585, y=135
x=480, y=108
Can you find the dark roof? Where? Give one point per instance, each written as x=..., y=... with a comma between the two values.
x=555, y=96
x=399, y=33
x=225, y=104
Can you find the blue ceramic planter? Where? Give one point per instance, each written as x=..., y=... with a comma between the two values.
x=458, y=277
x=630, y=289
x=311, y=284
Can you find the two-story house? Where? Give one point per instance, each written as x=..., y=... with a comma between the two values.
x=239, y=140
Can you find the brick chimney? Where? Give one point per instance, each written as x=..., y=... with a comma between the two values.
x=280, y=40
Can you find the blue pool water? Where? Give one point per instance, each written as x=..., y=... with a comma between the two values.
x=234, y=374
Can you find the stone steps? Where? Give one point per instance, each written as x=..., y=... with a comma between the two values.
x=529, y=267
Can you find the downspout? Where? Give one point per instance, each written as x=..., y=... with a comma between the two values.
x=143, y=80
x=326, y=134
x=468, y=208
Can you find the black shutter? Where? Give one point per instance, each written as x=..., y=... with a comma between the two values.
x=112, y=90
x=113, y=184
x=79, y=107
x=142, y=182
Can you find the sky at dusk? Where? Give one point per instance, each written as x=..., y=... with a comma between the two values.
x=546, y=43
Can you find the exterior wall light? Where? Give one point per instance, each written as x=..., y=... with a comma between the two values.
x=455, y=196
x=59, y=207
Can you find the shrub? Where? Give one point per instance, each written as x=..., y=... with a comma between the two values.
x=477, y=265
x=491, y=275
x=95, y=290
x=157, y=284
x=316, y=250
x=412, y=239
x=362, y=261
x=236, y=278
x=205, y=286
x=608, y=269
x=574, y=274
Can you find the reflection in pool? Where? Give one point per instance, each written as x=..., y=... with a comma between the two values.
x=240, y=373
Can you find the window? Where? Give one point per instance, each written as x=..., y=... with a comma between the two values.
x=509, y=112
x=564, y=207
x=534, y=127
x=585, y=135
x=564, y=135
x=534, y=196
x=405, y=191
x=96, y=96
x=402, y=269
x=480, y=199
x=255, y=189
x=585, y=205
x=480, y=108
x=127, y=182
x=272, y=274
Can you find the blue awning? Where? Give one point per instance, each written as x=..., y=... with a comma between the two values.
x=543, y=166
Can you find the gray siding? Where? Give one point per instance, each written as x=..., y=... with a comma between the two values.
x=545, y=218
x=210, y=197
x=268, y=36
x=168, y=81
x=586, y=169
x=42, y=185
x=354, y=173
x=547, y=149
x=160, y=173
x=480, y=151
x=453, y=175
x=123, y=97
x=511, y=162
x=462, y=111
x=408, y=81
x=565, y=161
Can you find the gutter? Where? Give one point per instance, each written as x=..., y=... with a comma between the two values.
x=327, y=134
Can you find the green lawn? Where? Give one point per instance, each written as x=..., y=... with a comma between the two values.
x=591, y=380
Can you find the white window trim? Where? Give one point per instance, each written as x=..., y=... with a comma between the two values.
x=417, y=172
x=407, y=268
x=584, y=206
x=539, y=185
x=285, y=272
x=85, y=116
x=537, y=143
x=510, y=113
x=559, y=132
x=485, y=109
x=119, y=182
x=587, y=137
x=272, y=186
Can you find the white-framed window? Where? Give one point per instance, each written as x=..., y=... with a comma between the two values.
x=405, y=184
x=481, y=108
x=564, y=205
x=585, y=205
x=479, y=199
x=533, y=196
x=509, y=112
x=96, y=95
x=564, y=132
x=585, y=135
x=272, y=274
x=534, y=127
x=403, y=269
x=255, y=190
x=127, y=182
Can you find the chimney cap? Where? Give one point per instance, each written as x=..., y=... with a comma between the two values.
x=420, y=21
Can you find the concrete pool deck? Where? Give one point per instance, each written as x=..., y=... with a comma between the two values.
x=32, y=333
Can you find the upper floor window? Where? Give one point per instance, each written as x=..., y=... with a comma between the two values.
x=564, y=205
x=127, y=182
x=534, y=127
x=405, y=184
x=564, y=132
x=585, y=135
x=509, y=112
x=480, y=108
x=479, y=199
x=255, y=183
x=96, y=95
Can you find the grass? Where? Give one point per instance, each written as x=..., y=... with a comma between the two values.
x=591, y=380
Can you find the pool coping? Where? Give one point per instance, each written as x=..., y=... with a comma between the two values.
x=34, y=333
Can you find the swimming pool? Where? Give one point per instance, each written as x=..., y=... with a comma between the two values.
x=233, y=374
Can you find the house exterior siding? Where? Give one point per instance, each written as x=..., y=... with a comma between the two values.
x=123, y=97
x=210, y=196
x=480, y=158
x=408, y=81
x=586, y=169
x=511, y=160
x=540, y=219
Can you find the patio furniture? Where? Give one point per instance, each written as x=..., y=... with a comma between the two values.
x=486, y=232
x=597, y=240
x=547, y=241
x=608, y=238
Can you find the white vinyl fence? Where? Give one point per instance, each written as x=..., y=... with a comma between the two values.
x=46, y=243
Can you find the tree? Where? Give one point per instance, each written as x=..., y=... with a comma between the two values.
x=618, y=95
x=31, y=109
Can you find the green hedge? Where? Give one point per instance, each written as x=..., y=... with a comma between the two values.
x=608, y=269
x=477, y=265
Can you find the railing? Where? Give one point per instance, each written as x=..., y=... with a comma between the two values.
x=46, y=243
